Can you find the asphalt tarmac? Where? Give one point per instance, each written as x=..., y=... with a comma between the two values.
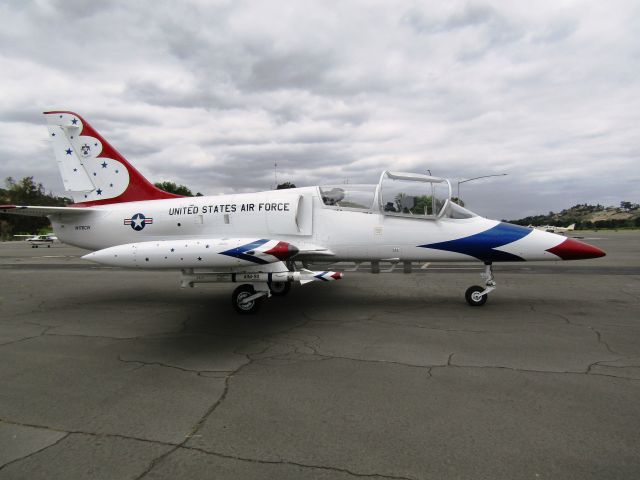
x=108, y=373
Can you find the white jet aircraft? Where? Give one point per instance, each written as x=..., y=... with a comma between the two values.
x=554, y=229
x=255, y=239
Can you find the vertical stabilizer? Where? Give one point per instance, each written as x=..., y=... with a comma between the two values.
x=93, y=172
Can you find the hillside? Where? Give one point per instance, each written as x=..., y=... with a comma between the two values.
x=627, y=215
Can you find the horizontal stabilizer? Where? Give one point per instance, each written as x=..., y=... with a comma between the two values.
x=44, y=211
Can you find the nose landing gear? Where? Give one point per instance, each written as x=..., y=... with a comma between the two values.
x=476, y=295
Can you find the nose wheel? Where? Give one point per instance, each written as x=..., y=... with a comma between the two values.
x=477, y=296
x=474, y=296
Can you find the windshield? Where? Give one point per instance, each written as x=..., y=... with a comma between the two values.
x=349, y=196
x=456, y=211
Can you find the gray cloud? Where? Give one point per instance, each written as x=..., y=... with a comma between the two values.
x=212, y=94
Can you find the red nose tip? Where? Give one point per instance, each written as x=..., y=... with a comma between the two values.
x=572, y=249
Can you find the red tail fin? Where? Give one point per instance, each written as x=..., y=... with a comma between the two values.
x=92, y=170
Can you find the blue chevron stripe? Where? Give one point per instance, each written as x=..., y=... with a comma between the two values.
x=482, y=245
x=241, y=252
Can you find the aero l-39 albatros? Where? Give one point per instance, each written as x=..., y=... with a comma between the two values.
x=255, y=239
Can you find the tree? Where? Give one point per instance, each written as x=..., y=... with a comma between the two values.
x=626, y=206
x=26, y=192
x=285, y=185
x=171, y=187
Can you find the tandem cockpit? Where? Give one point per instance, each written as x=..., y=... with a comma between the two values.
x=412, y=195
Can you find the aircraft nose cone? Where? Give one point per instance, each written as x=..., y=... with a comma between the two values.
x=572, y=249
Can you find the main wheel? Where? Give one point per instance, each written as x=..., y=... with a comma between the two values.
x=238, y=300
x=473, y=297
x=279, y=289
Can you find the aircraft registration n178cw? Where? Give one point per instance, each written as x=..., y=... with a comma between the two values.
x=255, y=239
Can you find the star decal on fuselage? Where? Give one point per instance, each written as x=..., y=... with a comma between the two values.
x=138, y=221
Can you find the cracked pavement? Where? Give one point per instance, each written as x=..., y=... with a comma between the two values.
x=106, y=373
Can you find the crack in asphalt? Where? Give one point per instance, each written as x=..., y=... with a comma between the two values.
x=552, y=372
x=15, y=460
x=24, y=339
x=198, y=425
x=181, y=446
x=566, y=319
x=603, y=364
x=198, y=372
x=84, y=432
x=46, y=333
x=297, y=464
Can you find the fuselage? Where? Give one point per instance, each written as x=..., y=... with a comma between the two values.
x=299, y=216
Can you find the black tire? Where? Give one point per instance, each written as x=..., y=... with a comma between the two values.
x=279, y=289
x=473, y=298
x=240, y=293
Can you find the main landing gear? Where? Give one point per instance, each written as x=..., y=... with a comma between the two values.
x=247, y=299
x=279, y=289
x=476, y=296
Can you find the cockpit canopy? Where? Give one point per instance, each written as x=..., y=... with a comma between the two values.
x=414, y=194
x=398, y=194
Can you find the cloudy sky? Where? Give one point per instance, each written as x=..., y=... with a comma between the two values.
x=211, y=93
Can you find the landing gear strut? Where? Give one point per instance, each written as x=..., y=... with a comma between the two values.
x=476, y=296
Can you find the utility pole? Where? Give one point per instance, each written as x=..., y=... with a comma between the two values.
x=275, y=174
